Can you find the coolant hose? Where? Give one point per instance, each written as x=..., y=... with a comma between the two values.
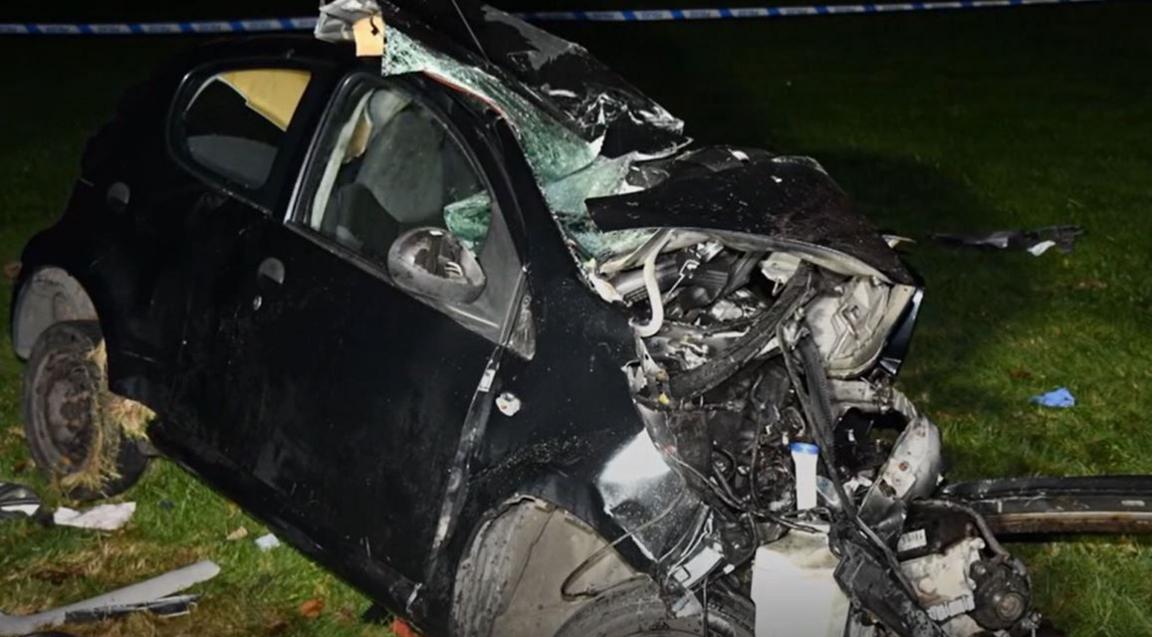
x=652, y=287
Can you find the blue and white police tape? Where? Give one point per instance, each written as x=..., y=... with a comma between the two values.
x=268, y=25
x=265, y=25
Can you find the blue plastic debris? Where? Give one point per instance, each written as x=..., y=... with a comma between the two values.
x=1059, y=397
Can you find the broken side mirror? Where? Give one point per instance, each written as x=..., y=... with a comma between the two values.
x=435, y=264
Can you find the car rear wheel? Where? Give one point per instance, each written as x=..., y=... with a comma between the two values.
x=634, y=609
x=72, y=434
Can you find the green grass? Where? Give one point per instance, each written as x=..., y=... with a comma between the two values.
x=945, y=122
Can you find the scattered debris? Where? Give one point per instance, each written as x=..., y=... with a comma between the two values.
x=508, y=403
x=894, y=240
x=239, y=534
x=267, y=542
x=1020, y=374
x=157, y=595
x=1059, y=398
x=17, y=501
x=311, y=608
x=106, y=517
x=1036, y=241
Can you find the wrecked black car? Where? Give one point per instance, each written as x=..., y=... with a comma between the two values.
x=469, y=321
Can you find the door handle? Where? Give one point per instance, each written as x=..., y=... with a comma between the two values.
x=273, y=269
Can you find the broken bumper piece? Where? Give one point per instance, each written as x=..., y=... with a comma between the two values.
x=158, y=595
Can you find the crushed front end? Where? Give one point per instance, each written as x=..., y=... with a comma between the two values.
x=770, y=321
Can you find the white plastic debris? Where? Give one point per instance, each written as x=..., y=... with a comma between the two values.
x=106, y=517
x=1041, y=248
x=508, y=403
x=267, y=542
x=23, y=509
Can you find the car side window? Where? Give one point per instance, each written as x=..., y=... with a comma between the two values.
x=235, y=122
x=392, y=167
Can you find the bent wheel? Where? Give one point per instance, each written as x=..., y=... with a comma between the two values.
x=69, y=435
x=634, y=609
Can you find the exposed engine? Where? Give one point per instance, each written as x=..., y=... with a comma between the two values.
x=765, y=378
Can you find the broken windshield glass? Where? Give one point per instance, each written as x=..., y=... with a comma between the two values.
x=568, y=168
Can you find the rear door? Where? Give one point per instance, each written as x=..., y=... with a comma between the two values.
x=335, y=394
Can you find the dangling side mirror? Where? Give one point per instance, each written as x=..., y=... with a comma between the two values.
x=434, y=263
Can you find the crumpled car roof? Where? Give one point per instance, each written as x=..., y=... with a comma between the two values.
x=557, y=76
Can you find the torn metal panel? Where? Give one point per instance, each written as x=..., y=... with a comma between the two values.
x=600, y=102
x=646, y=496
x=1035, y=241
x=912, y=471
x=1088, y=504
x=784, y=198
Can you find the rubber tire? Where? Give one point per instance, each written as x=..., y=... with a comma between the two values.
x=72, y=343
x=485, y=575
x=635, y=609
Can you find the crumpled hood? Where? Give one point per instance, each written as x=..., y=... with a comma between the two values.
x=789, y=199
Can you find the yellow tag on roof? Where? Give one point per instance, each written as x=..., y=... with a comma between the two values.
x=369, y=34
x=274, y=93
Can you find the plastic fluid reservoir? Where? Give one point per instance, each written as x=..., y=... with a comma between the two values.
x=804, y=456
x=795, y=592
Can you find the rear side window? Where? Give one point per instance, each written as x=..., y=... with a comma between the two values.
x=235, y=123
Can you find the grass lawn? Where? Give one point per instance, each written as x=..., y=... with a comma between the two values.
x=944, y=122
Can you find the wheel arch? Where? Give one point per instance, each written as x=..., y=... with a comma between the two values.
x=520, y=554
x=48, y=295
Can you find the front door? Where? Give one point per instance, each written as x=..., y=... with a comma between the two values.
x=340, y=387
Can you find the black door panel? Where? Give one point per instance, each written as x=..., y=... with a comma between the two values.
x=363, y=391
x=343, y=396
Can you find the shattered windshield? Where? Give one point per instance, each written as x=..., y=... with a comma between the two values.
x=566, y=161
x=567, y=168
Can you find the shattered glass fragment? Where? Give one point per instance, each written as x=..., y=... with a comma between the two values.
x=469, y=219
x=552, y=150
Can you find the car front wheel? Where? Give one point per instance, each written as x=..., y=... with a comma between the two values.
x=72, y=421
